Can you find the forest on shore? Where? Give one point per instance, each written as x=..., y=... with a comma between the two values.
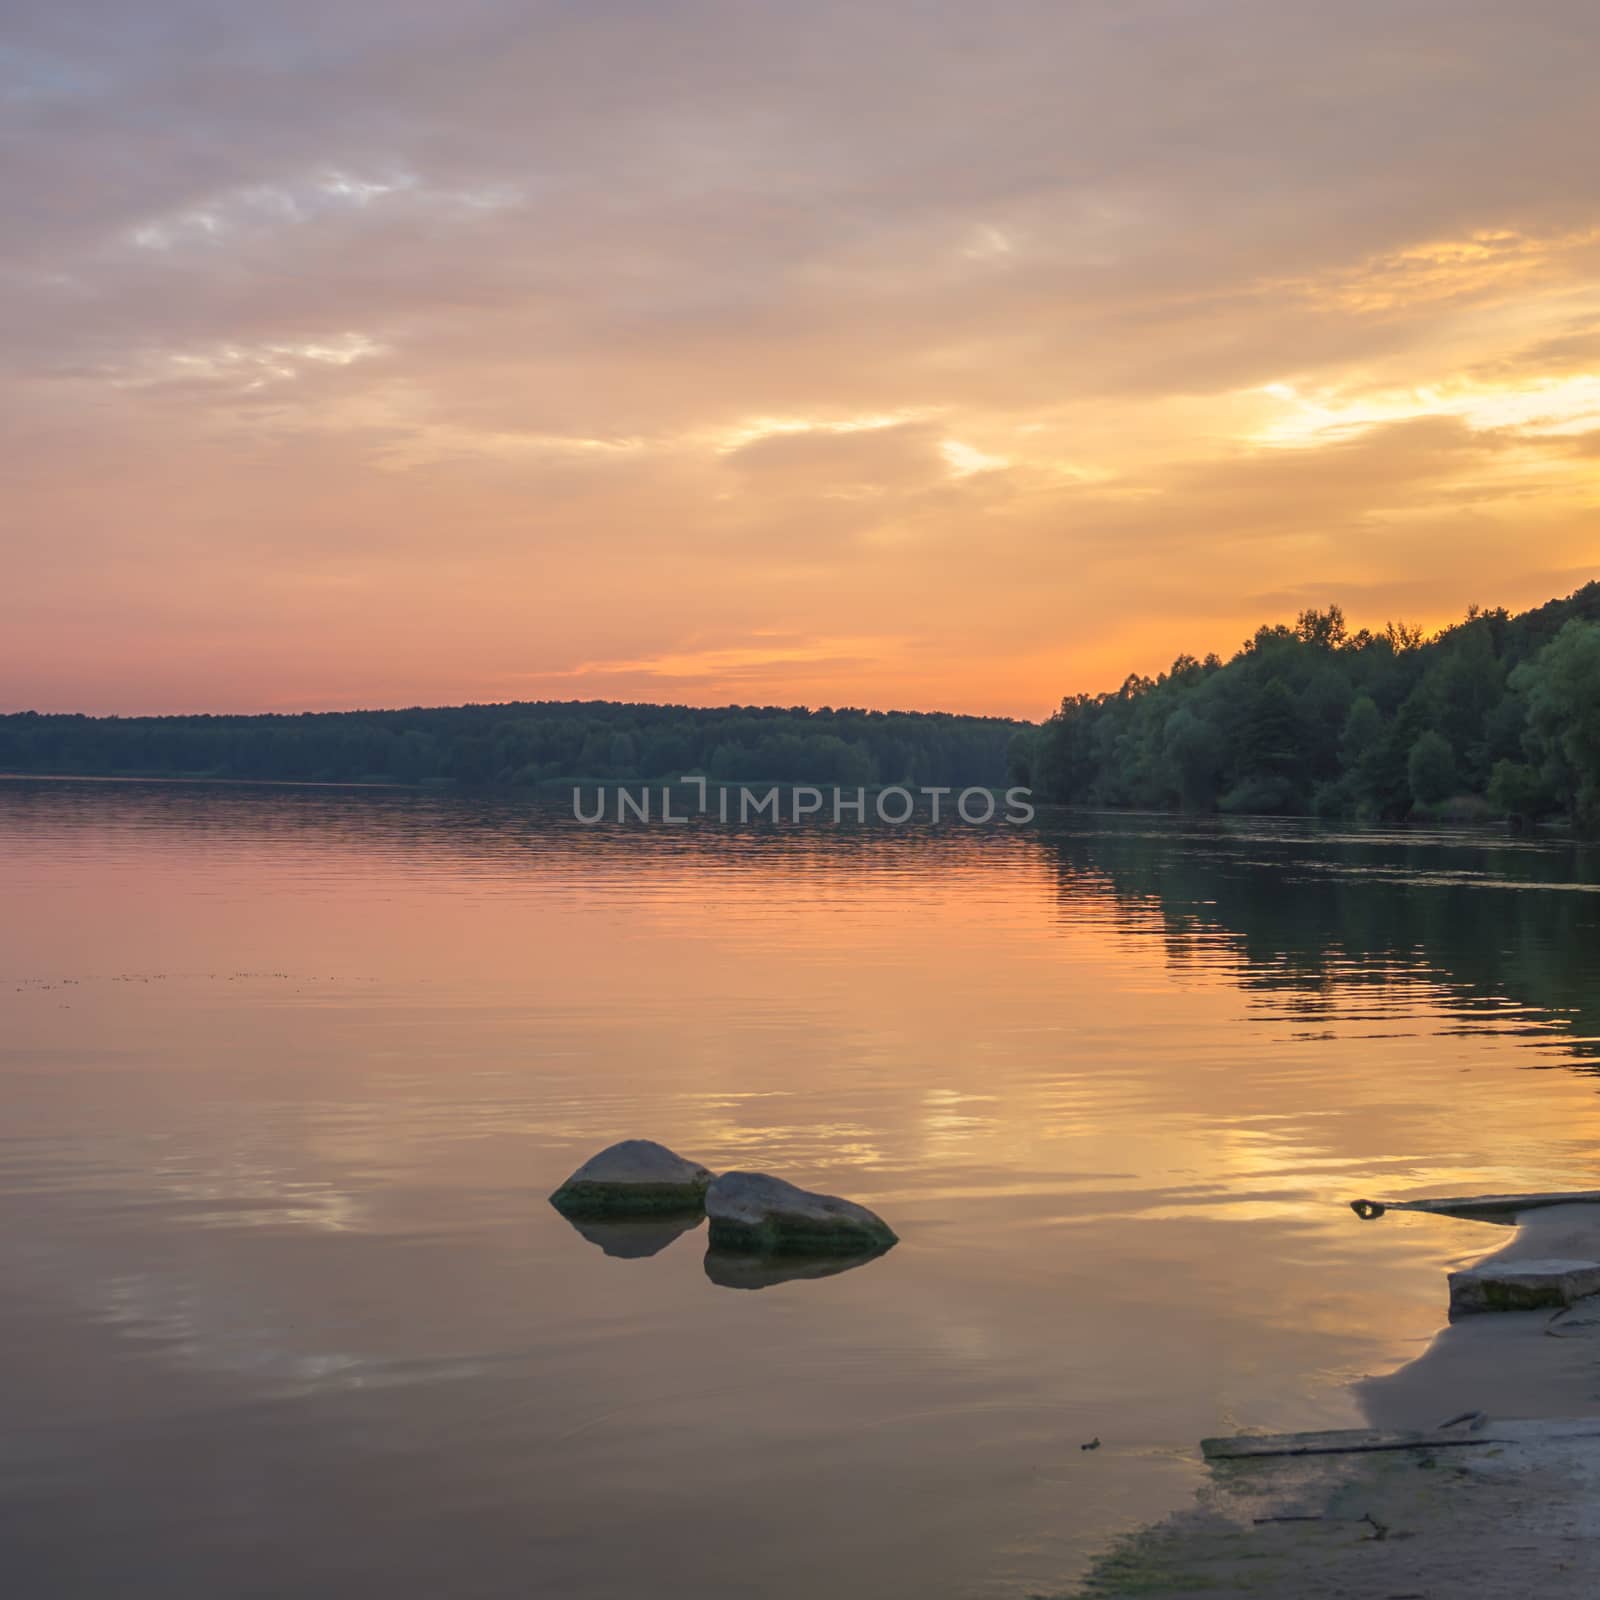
x=521, y=744
x=1497, y=716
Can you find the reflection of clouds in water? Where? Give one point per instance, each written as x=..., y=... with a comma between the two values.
x=948, y=1129
x=245, y=1195
x=195, y=1185
x=205, y=1331
x=211, y=1314
x=819, y=1143
x=224, y=1335
x=1057, y=1062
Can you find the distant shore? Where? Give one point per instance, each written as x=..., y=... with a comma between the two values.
x=239, y=783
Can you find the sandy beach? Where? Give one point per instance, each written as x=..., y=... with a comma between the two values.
x=1480, y=1476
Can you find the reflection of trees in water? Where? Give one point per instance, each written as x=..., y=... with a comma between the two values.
x=1303, y=915
x=1494, y=926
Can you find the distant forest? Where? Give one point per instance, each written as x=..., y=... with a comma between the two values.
x=1498, y=715
x=522, y=744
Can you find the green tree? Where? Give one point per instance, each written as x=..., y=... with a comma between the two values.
x=1561, y=686
x=1363, y=730
x=1324, y=708
x=622, y=754
x=1431, y=769
x=1022, y=756
x=1272, y=733
x=1360, y=753
x=1191, y=750
x=1515, y=790
x=1323, y=630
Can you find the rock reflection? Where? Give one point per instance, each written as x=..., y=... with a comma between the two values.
x=730, y=1269
x=634, y=1238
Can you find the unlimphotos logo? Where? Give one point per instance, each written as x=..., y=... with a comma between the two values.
x=804, y=802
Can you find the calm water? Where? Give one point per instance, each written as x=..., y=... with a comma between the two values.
x=285, y=1076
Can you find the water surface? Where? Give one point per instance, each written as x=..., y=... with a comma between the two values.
x=285, y=1076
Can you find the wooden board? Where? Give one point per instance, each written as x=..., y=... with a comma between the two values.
x=1349, y=1441
x=1485, y=1207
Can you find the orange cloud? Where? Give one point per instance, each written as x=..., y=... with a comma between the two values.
x=866, y=357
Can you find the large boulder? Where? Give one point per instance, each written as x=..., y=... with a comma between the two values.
x=1501, y=1284
x=752, y=1211
x=637, y=1175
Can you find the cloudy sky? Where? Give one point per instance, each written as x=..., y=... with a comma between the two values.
x=902, y=354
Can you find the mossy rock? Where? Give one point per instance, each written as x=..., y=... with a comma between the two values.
x=757, y=1213
x=635, y=1177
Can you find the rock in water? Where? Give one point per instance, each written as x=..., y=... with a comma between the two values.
x=1508, y=1284
x=637, y=1175
x=752, y=1211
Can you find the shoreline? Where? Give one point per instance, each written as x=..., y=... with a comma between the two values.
x=239, y=783
x=1480, y=1476
x=1517, y=1518
x=1486, y=827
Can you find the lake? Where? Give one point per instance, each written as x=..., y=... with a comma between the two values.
x=287, y=1074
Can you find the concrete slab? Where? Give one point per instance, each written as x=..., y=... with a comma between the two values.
x=1522, y=1285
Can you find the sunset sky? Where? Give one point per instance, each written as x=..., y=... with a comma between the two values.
x=899, y=354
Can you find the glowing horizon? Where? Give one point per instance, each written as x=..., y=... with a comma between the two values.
x=726, y=354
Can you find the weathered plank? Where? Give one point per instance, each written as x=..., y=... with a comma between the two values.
x=1479, y=1207
x=1347, y=1441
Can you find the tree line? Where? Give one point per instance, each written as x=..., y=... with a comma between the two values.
x=1498, y=715
x=523, y=744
